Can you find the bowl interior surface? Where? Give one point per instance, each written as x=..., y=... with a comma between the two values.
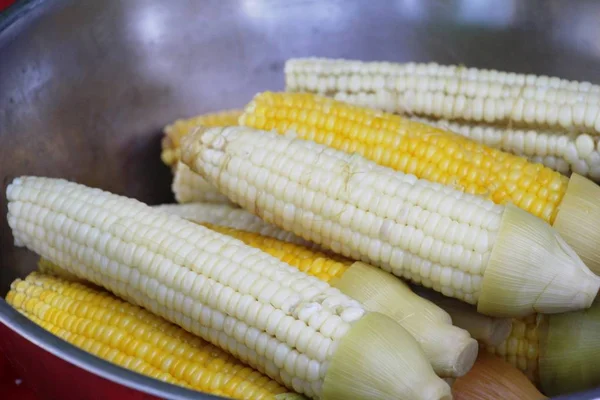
x=86, y=87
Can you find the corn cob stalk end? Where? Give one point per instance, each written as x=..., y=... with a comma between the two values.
x=450, y=350
x=378, y=359
x=569, y=351
x=487, y=330
x=532, y=269
x=578, y=220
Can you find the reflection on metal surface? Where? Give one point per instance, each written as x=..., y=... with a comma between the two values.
x=488, y=14
x=150, y=23
x=581, y=32
x=491, y=13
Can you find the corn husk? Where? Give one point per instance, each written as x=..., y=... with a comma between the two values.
x=570, y=352
x=578, y=220
x=492, y=378
x=532, y=269
x=378, y=359
x=450, y=350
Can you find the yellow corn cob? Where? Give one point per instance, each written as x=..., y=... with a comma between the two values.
x=134, y=338
x=439, y=156
x=181, y=127
x=187, y=186
x=557, y=352
x=452, y=92
x=521, y=348
x=290, y=326
x=232, y=217
x=450, y=350
x=506, y=261
x=562, y=152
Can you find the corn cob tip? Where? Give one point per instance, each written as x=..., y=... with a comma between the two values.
x=450, y=350
x=569, y=347
x=191, y=145
x=378, y=359
x=578, y=220
x=531, y=269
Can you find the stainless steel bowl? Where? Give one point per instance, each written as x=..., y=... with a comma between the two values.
x=85, y=88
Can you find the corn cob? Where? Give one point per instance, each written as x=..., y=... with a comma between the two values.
x=187, y=186
x=290, y=326
x=174, y=132
x=562, y=152
x=429, y=153
x=450, y=350
x=48, y=268
x=232, y=217
x=489, y=331
x=307, y=74
x=560, y=352
x=521, y=348
x=492, y=378
x=452, y=92
x=503, y=259
x=134, y=338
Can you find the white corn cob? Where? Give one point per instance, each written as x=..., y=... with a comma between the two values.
x=565, y=153
x=452, y=92
x=501, y=258
x=189, y=187
x=293, y=327
x=315, y=68
x=231, y=217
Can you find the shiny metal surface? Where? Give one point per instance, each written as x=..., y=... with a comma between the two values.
x=85, y=87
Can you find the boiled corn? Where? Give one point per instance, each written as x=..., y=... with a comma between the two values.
x=134, y=338
x=439, y=156
x=506, y=261
x=187, y=186
x=450, y=350
x=521, y=348
x=232, y=217
x=294, y=328
x=47, y=268
x=451, y=92
x=562, y=152
x=174, y=132
x=557, y=352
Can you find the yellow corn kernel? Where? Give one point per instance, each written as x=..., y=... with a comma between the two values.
x=478, y=169
x=128, y=336
x=521, y=348
x=309, y=261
